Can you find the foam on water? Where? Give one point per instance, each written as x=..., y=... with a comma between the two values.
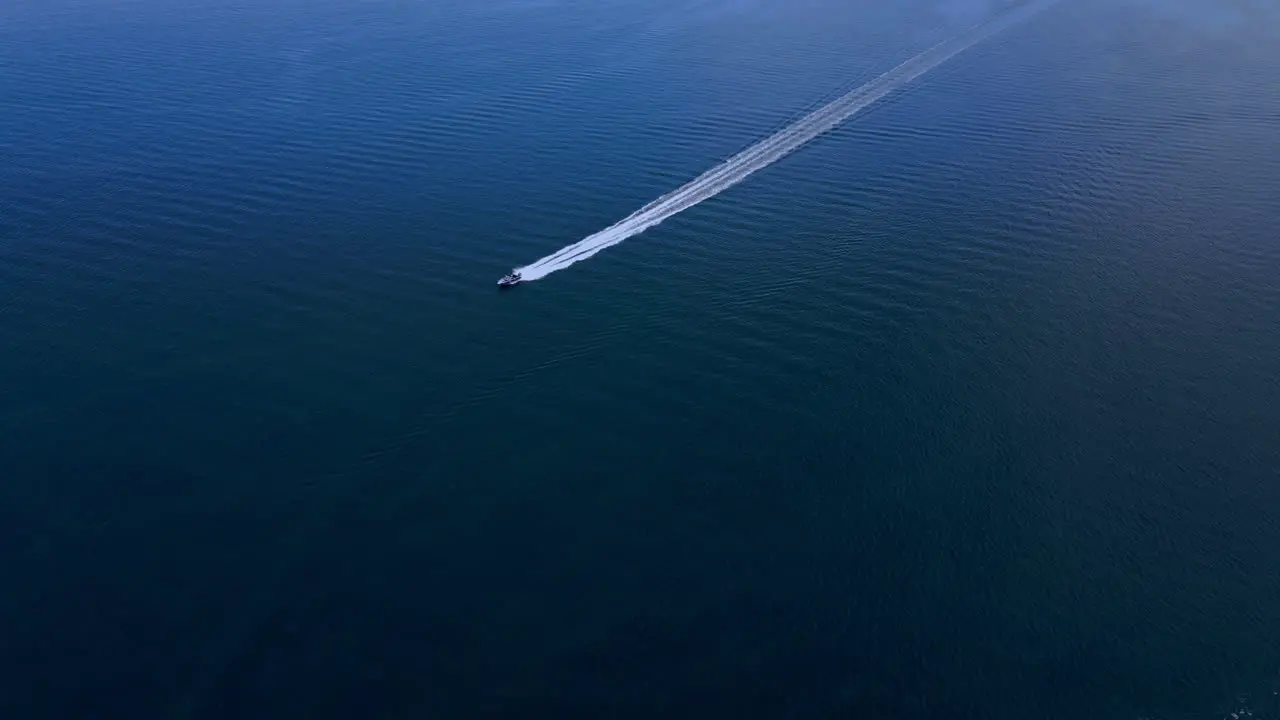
x=778, y=145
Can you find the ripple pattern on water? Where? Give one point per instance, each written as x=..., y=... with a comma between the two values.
x=994, y=361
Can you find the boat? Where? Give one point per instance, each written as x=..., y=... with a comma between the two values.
x=510, y=279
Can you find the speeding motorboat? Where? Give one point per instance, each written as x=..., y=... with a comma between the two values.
x=510, y=279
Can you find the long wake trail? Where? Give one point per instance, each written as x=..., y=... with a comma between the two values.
x=739, y=167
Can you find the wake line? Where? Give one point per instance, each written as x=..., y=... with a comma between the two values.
x=764, y=153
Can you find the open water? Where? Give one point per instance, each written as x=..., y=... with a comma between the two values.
x=966, y=409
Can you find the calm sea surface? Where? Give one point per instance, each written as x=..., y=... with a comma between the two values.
x=969, y=409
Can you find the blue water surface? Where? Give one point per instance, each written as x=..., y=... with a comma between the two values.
x=969, y=409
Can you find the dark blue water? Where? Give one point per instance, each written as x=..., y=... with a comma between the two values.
x=968, y=409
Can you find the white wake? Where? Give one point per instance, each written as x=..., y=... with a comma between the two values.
x=773, y=148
